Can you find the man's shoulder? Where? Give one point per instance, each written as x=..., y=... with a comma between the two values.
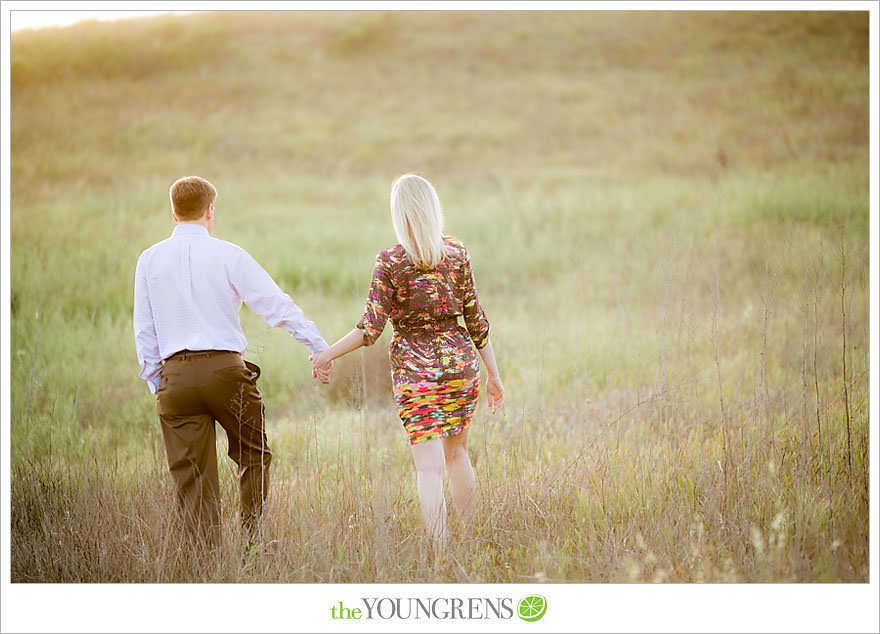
x=149, y=251
x=212, y=242
x=226, y=245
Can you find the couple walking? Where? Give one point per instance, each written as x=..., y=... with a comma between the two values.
x=187, y=295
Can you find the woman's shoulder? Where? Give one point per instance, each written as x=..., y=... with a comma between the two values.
x=455, y=251
x=391, y=255
x=455, y=247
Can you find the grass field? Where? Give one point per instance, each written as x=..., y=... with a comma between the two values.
x=667, y=215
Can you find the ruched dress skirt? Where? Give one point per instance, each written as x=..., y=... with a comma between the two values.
x=436, y=375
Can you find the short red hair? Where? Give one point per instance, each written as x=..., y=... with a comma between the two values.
x=190, y=197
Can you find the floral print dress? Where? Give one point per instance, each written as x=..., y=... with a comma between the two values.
x=434, y=367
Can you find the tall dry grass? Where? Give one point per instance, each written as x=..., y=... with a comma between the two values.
x=668, y=219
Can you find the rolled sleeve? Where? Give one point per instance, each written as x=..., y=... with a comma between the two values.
x=151, y=374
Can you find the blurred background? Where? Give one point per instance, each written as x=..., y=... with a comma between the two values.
x=25, y=19
x=667, y=214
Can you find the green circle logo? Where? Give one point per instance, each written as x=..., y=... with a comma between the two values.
x=532, y=607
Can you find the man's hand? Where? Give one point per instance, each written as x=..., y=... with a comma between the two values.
x=322, y=366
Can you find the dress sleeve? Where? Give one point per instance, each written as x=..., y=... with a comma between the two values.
x=474, y=317
x=379, y=298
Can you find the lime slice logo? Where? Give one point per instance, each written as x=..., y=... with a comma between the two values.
x=532, y=607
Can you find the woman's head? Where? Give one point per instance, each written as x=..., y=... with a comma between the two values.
x=418, y=220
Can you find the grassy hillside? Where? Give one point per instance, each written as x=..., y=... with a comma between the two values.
x=668, y=219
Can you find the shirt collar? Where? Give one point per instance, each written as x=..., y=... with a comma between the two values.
x=189, y=229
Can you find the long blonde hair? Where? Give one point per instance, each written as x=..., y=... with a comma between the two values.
x=418, y=220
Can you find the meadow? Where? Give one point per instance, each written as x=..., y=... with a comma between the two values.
x=667, y=215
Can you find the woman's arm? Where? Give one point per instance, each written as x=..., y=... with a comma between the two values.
x=368, y=329
x=478, y=329
x=322, y=361
x=494, y=388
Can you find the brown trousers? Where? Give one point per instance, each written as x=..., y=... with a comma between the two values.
x=195, y=390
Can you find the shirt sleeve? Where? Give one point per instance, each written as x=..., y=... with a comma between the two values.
x=146, y=340
x=379, y=299
x=263, y=296
x=474, y=317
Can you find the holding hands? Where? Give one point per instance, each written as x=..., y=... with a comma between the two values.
x=322, y=362
x=322, y=366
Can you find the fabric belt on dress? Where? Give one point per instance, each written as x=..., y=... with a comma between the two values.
x=427, y=326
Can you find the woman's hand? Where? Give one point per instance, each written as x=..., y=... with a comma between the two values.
x=322, y=362
x=495, y=392
x=322, y=366
x=493, y=385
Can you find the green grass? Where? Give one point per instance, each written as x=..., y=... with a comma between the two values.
x=667, y=215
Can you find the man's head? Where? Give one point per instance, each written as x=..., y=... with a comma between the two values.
x=191, y=196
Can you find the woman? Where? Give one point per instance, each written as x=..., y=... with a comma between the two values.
x=423, y=284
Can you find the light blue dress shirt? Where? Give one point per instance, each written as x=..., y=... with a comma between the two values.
x=188, y=292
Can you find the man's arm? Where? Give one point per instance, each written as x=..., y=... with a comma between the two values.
x=145, y=339
x=263, y=296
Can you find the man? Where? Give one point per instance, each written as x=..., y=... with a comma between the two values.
x=187, y=295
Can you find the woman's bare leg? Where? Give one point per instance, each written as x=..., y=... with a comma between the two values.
x=429, y=460
x=461, y=475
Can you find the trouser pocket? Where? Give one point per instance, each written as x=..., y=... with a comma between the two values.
x=254, y=369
